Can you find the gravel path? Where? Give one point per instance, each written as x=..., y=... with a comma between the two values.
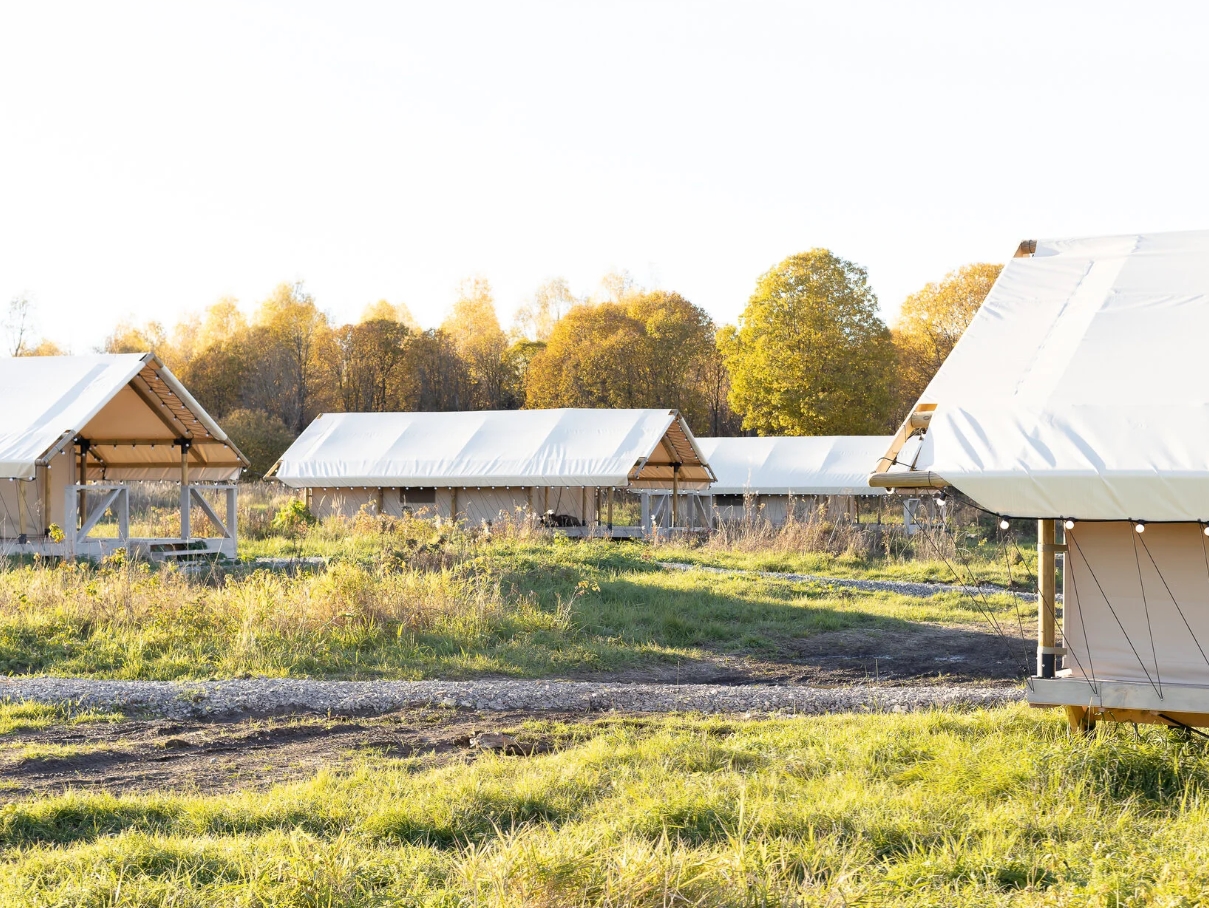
x=269, y=696
x=905, y=587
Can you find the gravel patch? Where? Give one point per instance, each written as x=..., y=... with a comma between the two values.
x=904, y=587
x=271, y=696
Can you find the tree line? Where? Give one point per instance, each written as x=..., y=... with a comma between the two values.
x=809, y=355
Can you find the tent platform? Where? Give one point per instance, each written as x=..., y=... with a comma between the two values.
x=149, y=549
x=1122, y=701
x=627, y=532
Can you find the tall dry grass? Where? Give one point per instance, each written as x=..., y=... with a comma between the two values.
x=133, y=620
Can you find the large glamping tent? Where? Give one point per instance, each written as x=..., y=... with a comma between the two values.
x=483, y=466
x=1077, y=397
x=74, y=430
x=769, y=477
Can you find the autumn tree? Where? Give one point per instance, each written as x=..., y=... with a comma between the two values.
x=721, y=420
x=550, y=302
x=930, y=324
x=222, y=322
x=19, y=328
x=127, y=337
x=586, y=362
x=43, y=347
x=371, y=371
x=652, y=351
x=474, y=329
x=262, y=437
x=810, y=355
x=439, y=377
x=394, y=312
x=21, y=331
x=671, y=362
x=517, y=360
x=218, y=373
x=294, y=350
x=617, y=287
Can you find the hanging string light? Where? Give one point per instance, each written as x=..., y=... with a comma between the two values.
x=1069, y=524
x=1004, y=523
x=1139, y=527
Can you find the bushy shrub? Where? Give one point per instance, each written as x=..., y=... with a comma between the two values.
x=293, y=516
x=262, y=438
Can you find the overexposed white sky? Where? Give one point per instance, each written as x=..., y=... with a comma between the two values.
x=157, y=156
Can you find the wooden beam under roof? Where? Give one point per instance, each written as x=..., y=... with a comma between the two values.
x=172, y=402
x=151, y=399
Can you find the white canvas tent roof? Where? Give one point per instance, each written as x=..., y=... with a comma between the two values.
x=1078, y=391
x=495, y=448
x=808, y=465
x=129, y=407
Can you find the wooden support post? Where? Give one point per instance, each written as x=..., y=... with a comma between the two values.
x=44, y=498
x=610, y=509
x=22, y=522
x=186, y=499
x=1081, y=719
x=380, y=500
x=81, y=497
x=583, y=500
x=675, y=494
x=529, y=497
x=1046, y=594
x=453, y=505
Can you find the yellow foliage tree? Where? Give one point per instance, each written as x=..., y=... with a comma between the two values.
x=810, y=355
x=222, y=323
x=127, y=337
x=655, y=350
x=930, y=324
x=296, y=350
x=391, y=312
x=474, y=329
x=550, y=302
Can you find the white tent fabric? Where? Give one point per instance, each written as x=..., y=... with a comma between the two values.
x=1079, y=388
x=1121, y=620
x=48, y=400
x=806, y=465
x=570, y=447
x=47, y=396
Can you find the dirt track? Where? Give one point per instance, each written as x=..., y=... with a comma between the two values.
x=209, y=757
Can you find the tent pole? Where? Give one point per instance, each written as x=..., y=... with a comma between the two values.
x=21, y=507
x=81, y=496
x=44, y=498
x=186, y=530
x=610, y=510
x=675, y=494
x=1046, y=594
x=453, y=509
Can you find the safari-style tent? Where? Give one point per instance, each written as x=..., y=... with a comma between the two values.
x=770, y=477
x=74, y=430
x=1077, y=397
x=483, y=466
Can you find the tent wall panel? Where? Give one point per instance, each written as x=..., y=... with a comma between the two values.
x=1143, y=636
x=475, y=506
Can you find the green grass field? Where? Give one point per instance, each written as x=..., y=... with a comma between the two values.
x=988, y=808
x=997, y=807
x=408, y=600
